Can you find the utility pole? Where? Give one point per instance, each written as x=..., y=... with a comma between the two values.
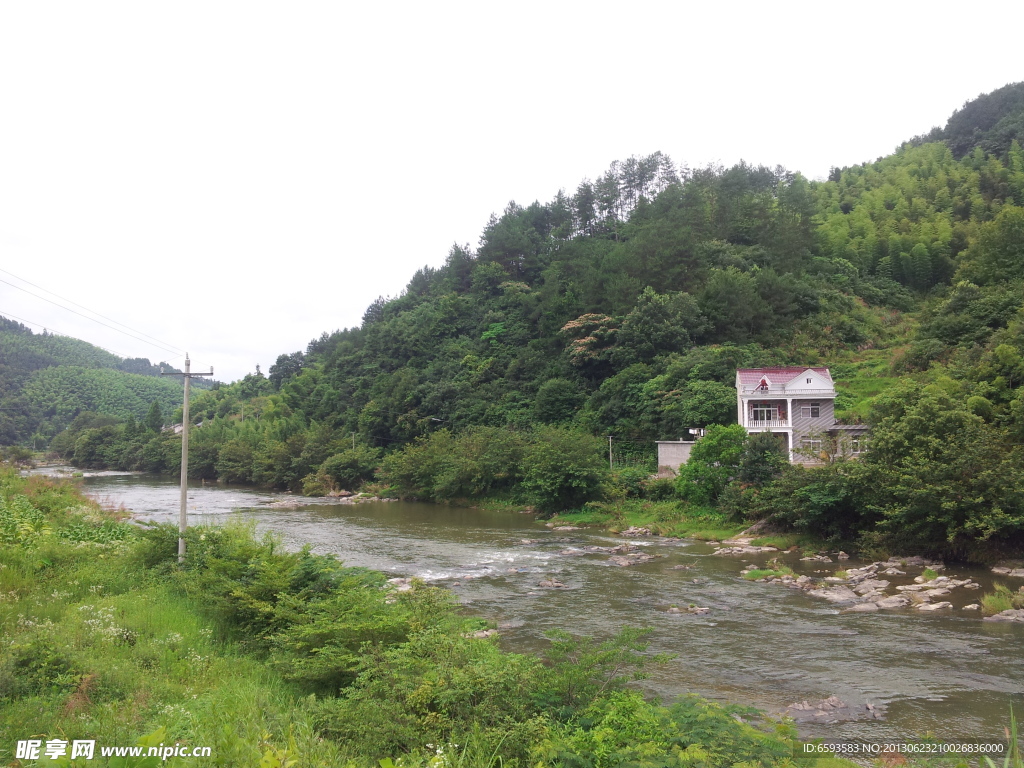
x=182, y=514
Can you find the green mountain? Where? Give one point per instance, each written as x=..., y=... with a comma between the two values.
x=47, y=380
x=991, y=122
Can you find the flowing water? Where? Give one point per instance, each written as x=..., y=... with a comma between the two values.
x=946, y=673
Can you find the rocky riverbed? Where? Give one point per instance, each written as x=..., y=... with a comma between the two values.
x=912, y=583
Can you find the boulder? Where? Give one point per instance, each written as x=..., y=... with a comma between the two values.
x=972, y=607
x=634, y=559
x=743, y=550
x=634, y=531
x=400, y=584
x=896, y=601
x=551, y=584
x=1008, y=615
x=914, y=561
x=934, y=606
x=826, y=710
x=836, y=595
x=870, y=585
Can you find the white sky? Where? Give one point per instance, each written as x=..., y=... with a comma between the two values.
x=236, y=178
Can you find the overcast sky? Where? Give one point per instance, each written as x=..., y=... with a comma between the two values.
x=233, y=179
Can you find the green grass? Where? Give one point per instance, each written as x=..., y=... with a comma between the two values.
x=663, y=518
x=98, y=647
x=861, y=379
x=1002, y=599
x=777, y=570
x=929, y=575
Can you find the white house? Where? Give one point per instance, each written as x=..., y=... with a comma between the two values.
x=798, y=403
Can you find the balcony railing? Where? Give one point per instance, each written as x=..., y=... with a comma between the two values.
x=767, y=423
x=781, y=392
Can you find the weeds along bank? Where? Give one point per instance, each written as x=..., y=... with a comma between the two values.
x=277, y=658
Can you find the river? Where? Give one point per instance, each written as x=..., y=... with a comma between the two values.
x=945, y=673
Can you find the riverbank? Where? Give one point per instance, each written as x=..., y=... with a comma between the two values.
x=107, y=639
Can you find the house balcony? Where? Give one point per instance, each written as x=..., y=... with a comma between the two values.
x=767, y=424
x=781, y=391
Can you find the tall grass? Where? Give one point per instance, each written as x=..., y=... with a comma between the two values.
x=1001, y=599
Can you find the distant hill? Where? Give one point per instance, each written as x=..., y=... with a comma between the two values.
x=993, y=121
x=46, y=380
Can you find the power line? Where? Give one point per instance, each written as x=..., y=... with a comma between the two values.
x=62, y=298
x=68, y=309
x=71, y=336
x=68, y=335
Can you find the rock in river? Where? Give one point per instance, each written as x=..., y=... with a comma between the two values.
x=1008, y=615
x=836, y=594
x=551, y=584
x=634, y=559
x=934, y=606
x=896, y=601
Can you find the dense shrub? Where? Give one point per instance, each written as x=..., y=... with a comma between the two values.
x=563, y=468
x=714, y=461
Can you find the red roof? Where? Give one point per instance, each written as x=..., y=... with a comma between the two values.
x=753, y=376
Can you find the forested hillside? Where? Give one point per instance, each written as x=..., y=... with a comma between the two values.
x=624, y=307
x=47, y=380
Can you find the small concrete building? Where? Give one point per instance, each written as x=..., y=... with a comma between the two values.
x=672, y=454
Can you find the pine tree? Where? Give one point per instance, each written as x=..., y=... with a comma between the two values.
x=155, y=418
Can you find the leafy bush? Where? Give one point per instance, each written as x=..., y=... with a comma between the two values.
x=763, y=458
x=563, y=468
x=352, y=467
x=713, y=462
x=629, y=482
x=623, y=729
x=659, y=488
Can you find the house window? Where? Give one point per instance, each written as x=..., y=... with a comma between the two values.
x=810, y=410
x=808, y=381
x=813, y=446
x=855, y=445
x=764, y=412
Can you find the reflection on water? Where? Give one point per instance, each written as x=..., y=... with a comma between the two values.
x=946, y=673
